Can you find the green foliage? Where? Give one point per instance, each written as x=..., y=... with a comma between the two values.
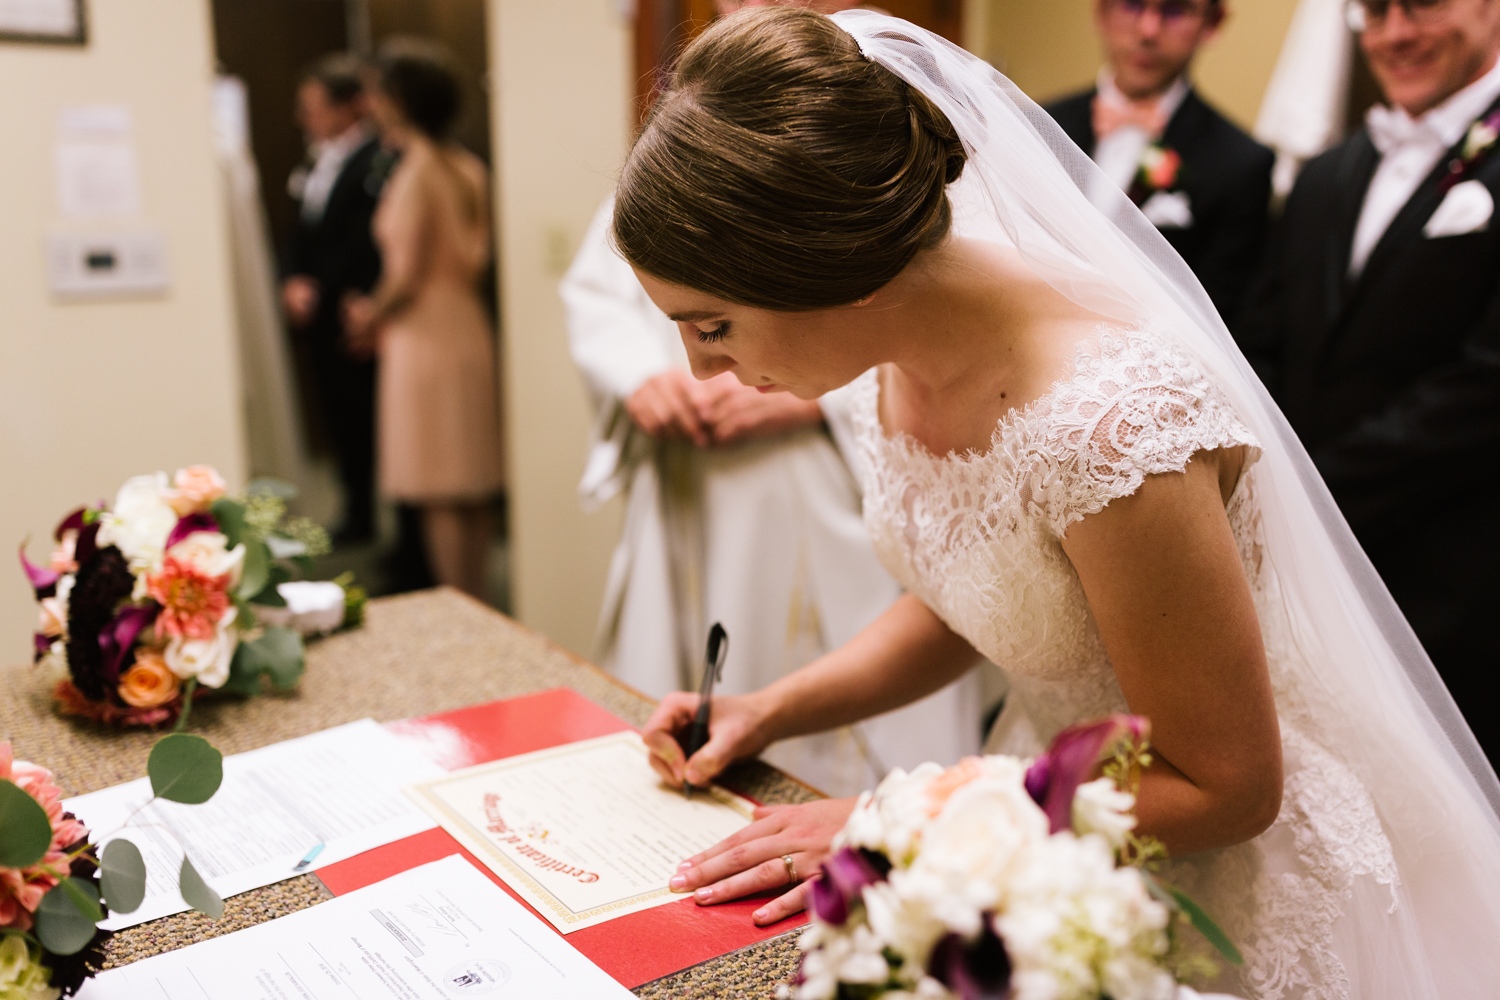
x=310, y=533
x=257, y=569
x=263, y=512
x=1179, y=902
x=278, y=654
x=355, y=600
x=122, y=876
x=196, y=893
x=270, y=486
x=66, y=916
x=25, y=831
x=230, y=514
x=185, y=768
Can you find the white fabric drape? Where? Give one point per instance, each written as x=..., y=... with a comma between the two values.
x=273, y=429
x=765, y=537
x=1302, y=112
x=1378, y=705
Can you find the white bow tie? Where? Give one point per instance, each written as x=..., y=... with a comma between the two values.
x=1392, y=128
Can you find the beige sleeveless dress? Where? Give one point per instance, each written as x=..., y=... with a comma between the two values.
x=439, y=419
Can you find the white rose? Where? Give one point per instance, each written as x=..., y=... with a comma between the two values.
x=206, y=659
x=205, y=551
x=140, y=521
x=1100, y=807
x=54, y=663
x=15, y=955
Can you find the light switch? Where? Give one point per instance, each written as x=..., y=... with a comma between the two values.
x=107, y=265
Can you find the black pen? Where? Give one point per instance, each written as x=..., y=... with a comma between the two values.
x=713, y=670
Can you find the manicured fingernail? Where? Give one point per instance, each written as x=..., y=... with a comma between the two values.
x=684, y=866
x=704, y=895
x=677, y=882
x=761, y=914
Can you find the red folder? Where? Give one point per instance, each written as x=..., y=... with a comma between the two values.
x=635, y=948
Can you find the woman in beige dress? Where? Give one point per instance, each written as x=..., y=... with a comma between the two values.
x=438, y=425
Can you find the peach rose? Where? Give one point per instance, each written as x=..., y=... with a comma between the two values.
x=54, y=618
x=194, y=489
x=149, y=683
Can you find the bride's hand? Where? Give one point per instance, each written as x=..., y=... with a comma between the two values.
x=737, y=729
x=752, y=860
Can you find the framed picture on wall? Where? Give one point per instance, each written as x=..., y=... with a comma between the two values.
x=50, y=22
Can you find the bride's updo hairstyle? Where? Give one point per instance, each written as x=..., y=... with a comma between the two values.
x=784, y=170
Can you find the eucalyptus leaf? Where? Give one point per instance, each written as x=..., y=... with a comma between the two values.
x=196, y=893
x=1205, y=926
x=231, y=517
x=269, y=486
x=257, y=569
x=25, y=831
x=61, y=923
x=283, y=547
x=122, y=876
x=278, y=654
x=185, y=768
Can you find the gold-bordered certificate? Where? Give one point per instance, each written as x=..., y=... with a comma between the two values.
x=584, y=832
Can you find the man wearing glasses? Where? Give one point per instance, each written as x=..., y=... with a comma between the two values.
x=1202, y=182
x=1378, y=326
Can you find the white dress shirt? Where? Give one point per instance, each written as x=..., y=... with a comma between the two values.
x=1409, y=150
x=329, y=159
x=1119, y=153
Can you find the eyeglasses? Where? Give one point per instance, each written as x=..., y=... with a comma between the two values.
x=1362, y=15
x=1170, y=11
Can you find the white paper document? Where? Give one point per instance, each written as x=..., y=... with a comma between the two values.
x=340, y=788
x=584, y=832
x=438, y=932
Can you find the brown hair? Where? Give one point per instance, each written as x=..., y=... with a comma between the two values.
x=422, y=78
x=784, y=170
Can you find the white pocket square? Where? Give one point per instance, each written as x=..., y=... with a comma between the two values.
x=1466, y=209
x=1168, y=210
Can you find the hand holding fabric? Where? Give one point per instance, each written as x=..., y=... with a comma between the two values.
x=734, y=412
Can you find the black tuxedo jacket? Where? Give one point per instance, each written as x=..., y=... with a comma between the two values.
x=1393, y=383
x=1227, y=178
x=339, y=250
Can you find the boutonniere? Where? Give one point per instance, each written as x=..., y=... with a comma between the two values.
x=1479, y=140
x=1159, y=170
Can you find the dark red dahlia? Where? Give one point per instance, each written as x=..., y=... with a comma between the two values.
x=104, y=580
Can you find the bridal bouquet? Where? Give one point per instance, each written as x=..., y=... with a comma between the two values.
x=1002, y=878
x=56, y=887
x=176, y=588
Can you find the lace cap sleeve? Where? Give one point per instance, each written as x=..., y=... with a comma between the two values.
x=1134, y=407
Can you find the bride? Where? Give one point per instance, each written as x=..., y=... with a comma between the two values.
x=1072, y=471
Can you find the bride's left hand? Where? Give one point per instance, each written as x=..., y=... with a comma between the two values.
x=751, y=860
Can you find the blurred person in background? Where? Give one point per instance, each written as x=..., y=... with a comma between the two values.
x=331, y=254
x=740, y=509
x=438, y=434
x=1377, y=326
x=1199, y=179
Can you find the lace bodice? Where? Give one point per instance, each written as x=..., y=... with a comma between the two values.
x=978, y=538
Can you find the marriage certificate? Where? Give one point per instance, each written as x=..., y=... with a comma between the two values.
x=584, y=832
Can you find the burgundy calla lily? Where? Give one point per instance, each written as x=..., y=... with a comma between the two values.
x=43, y=580
x=117, y=638
x=1070, y=761
x=42, y=644
x=974, y=970
x=88, y=543
x=845, y=876
x=187, y=525
x=73, y=522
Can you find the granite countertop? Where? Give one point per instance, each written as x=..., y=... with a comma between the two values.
x=417, y=654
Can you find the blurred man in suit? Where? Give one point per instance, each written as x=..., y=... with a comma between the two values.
x=1200, y=180
x=1378, y=327
x=331, y=254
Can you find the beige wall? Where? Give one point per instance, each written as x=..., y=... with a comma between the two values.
x=1049, y=48
x=560, y=93
x=93, y=393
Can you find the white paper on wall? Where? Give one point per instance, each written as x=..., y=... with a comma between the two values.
x=96, y=163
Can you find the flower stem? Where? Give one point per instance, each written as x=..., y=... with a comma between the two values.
x=187, y=704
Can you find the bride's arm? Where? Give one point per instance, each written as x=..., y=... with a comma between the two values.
x=1164, y=580
x=901, y=656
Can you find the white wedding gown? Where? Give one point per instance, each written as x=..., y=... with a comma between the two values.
x=977, y=538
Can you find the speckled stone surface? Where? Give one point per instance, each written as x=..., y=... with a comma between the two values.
x=417, y=654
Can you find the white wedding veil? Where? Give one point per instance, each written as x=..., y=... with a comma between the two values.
x=1378, y=704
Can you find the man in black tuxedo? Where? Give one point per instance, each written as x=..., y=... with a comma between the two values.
x=1205, y=184
x=332, y=254
x=1377, y=325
